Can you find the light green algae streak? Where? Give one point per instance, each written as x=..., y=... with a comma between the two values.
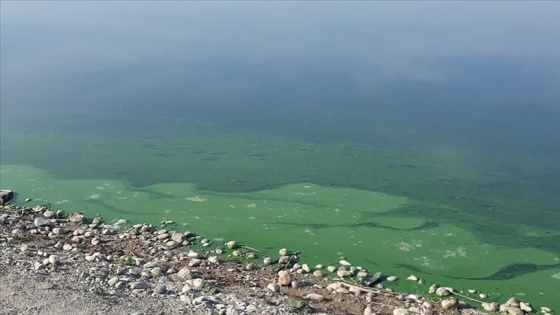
x=325, y=223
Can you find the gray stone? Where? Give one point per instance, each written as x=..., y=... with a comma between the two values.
x=160, y=289
x=42, y=222
x=113, y=281
x=139, y=285
x=184, y=274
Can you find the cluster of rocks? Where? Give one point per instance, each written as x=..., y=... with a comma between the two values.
x=146, y=262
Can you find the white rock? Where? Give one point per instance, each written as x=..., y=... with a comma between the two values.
x=113, y=281
x=185, y=299
x=54, y=259
x=412, y=278
x=283, y=252
x=368, y=311
x=232, y=244
x=267, y=261
x=184, y=274
x=318, y=273
x=451, y=303
x=198, y=283
x=433, y=288
x=511, y=310
x=331, y=269
x=400, y=311
x=482, y=295
x=177, y=237
x=192, y=254
x=214, y=260
x=343, y=262
x=318, y=267
x=427, y=305
x=442, y=291
x=284, y=259
x=526, y=307
x=490, y=307
x=306, y=268
x=392, y=278
x=333, y=286
x=343, y=273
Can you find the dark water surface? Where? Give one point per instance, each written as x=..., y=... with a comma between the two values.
x=409, y=137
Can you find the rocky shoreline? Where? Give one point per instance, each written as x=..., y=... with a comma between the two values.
x=55, y=263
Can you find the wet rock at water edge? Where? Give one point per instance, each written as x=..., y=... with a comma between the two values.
x=442, y=291
x=525, y=307
x=77, y=217
x=490, y=307
x=267, y=261
x=449, y=304
x=6, y=196
x=232, y=244
x=392, y=278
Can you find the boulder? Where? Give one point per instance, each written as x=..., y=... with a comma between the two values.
x=284, y=277
x=6, y=196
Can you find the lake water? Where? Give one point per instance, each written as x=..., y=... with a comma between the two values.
x=376, y=134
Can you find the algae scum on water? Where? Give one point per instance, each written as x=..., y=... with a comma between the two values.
x=325, y=223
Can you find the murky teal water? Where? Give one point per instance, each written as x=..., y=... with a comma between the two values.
x=444, y=213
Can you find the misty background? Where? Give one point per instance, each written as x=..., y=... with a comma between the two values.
x=336, y=63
